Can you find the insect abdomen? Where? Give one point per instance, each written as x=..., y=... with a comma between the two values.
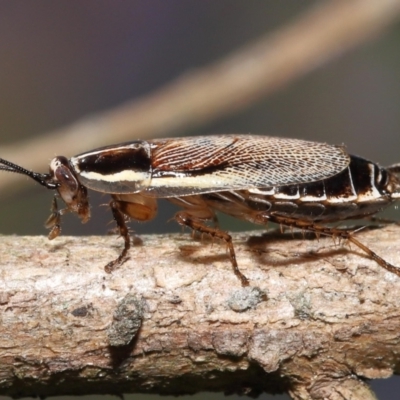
x=360, y=190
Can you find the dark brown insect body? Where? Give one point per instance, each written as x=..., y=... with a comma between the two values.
x=256, y=178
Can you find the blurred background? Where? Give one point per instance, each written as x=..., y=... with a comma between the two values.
x=63, y=60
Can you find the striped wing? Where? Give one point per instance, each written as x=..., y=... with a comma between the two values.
x=196, y=165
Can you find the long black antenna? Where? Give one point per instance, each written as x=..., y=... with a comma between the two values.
x=43, y=179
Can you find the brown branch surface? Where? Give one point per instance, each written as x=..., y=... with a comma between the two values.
x=232, y=83
x=174, y=318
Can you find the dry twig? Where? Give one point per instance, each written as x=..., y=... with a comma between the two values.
x=315, y=320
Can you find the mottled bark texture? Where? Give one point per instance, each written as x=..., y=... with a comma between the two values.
x=317, y=318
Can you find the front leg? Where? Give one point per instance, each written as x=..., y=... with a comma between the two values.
x=54, y=221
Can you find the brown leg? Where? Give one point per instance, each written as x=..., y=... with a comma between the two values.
x=135, y=206
x=334, y=233
x=124, y=232
x=197, y=224
x=54, y=221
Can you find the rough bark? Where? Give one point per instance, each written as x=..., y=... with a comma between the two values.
x=317, y=319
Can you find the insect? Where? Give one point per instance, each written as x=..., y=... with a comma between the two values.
x=261, y=179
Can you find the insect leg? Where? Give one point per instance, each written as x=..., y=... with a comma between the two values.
x=379, y=260
x=135, y=206
x=197, y=224
x=54, y=221
x=334, y=232
x=124, y=232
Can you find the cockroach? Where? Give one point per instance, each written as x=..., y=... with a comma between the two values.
x=260, y=179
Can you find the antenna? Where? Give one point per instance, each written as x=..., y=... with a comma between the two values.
x=43, y=179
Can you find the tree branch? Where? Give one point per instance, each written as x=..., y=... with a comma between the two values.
x=322, y=33
x=174, y=318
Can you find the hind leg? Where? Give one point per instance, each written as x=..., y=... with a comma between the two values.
x=334, y=233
